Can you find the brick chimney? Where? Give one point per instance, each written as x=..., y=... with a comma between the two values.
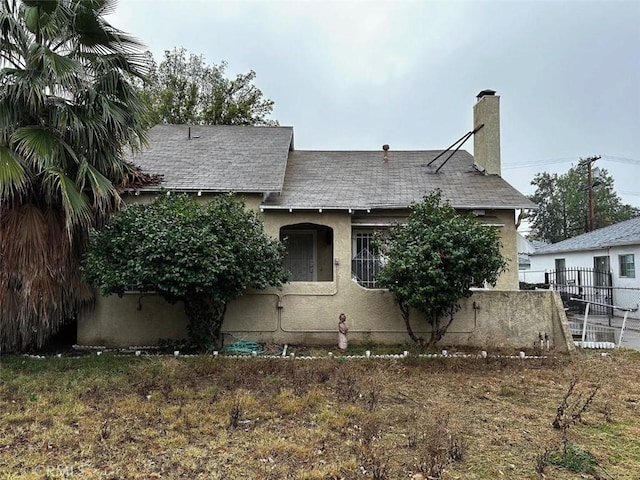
x=486, y=141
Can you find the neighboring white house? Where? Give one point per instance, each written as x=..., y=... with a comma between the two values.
x=611, y=252
x=525, y=248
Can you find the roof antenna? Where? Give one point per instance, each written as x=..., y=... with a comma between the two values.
x=459, y=144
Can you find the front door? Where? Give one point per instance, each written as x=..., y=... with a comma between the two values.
x=301, y=256
x=601, y=271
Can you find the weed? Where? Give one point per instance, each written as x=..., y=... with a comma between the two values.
x=542, y=460
x=438, y=445
x=369, y=430
x=607, y=412
x=571, y=408
x=374, y=460
x=105, y=430
x=574, y=458
x=367, y=342
x=507, y=392
x=373, y=395
x=379, y=469
x=300, y=382
x=234, y=415
x=412, y=441
x=456, y=448
x=346, y=387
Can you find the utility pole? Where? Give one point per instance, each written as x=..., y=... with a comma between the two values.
x=587, y=162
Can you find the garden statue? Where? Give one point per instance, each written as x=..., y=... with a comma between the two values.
x=342, y=332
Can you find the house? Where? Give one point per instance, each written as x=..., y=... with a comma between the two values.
x=526, y=247
x=327, y=205
x=605, y=260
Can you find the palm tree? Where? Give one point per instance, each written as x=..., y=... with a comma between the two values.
x=68, y=113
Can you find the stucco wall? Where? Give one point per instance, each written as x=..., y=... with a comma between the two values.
x=490, y=318
x=308, y=311
x=506, y=218
x=340, y=222
x=134, y=319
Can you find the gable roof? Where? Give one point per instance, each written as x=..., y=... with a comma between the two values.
x=619, y=234
x=225, y=158
x=364, y=180
x=217, y=158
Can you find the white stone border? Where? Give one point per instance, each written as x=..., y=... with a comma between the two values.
x=142, y=351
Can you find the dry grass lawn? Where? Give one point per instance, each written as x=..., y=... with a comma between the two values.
x=148, y=417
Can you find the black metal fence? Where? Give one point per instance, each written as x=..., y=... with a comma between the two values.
x=585, y=284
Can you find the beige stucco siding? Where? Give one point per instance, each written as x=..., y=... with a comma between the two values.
x=340, y=222
x=489, y=319
x=508, y=280
x=308, y=311
x=133, y=319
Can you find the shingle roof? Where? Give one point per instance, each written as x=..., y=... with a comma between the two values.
x=260, y=159
x=362, y=180
x=218, y=158
x=623, y=233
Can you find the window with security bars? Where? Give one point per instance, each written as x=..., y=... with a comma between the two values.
x=365, y=262
x=627, y=266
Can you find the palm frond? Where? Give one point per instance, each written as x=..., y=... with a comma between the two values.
x=104, y=194
x=26, y=89
x=75, y=203
x=36, y=144
x=60, y=68
x=13, y=38
x=13, y=177
x=9, y=117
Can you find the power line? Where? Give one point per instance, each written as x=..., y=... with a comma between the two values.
x=551, y=161
x=621, y=159
x=511, y=166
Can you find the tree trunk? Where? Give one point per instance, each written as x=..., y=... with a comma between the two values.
x=435, y=325
x=405, y=316
x=205, y=320
x=437, y=329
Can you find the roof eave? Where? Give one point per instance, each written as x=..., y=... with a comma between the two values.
x=202, y=190
x=518, y=206
x=381, y=207
x=624, y=244
x=569, y=250
x=604, y=246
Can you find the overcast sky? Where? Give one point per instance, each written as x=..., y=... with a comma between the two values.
x=357, y=75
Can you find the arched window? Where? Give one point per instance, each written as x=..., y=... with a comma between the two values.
x=309, y=255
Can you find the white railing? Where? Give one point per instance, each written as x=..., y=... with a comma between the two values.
x=586, y=316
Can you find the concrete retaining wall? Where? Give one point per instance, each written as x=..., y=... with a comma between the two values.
x=308, y=313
